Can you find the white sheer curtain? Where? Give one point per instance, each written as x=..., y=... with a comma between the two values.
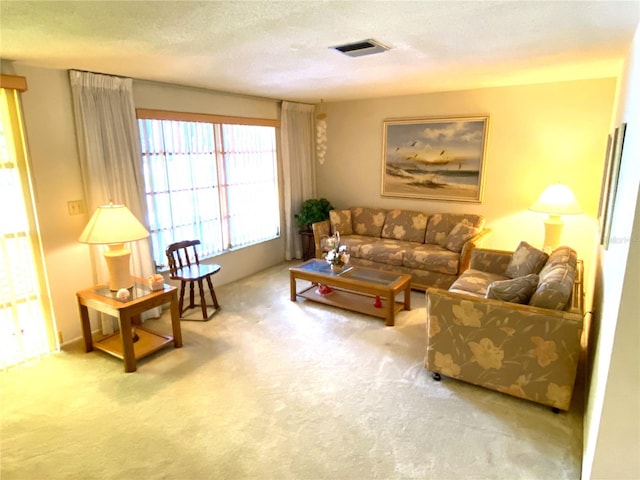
x=298, y=153
x=110, y=159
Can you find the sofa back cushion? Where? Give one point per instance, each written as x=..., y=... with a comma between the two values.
x=559, y=256
x=525, y=261
x=458, y=236
x=441, y=224
x=367, y=221
x=404, y=225
x=556, y=280
x=341, y=222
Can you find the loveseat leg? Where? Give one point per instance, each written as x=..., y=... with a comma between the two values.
x=555, y=410
x=436, y=376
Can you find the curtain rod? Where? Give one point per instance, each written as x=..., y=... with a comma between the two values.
x=154, y=82
x=208, y=90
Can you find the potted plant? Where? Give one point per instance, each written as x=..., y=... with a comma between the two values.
x=313, y=210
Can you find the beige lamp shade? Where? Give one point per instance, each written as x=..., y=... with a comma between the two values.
x=555, y=200
x=114, y=225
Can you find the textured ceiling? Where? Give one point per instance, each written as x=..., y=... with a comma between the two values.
x=281, y=49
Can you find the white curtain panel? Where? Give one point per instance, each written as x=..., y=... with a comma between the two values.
x=298, y=153
x=110, y=159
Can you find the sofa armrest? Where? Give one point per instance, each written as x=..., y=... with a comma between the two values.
x=490, y=260
x=524, y=351
x=470, y=245
x=321, y=231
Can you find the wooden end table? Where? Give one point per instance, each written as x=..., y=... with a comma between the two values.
x=121, y=344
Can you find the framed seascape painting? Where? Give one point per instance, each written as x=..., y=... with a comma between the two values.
x=435, y=158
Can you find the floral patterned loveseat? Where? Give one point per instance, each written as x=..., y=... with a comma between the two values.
x=433, y=248
x=511, y=323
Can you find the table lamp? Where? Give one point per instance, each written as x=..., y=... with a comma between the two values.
x=114, y=225
x=555, y=200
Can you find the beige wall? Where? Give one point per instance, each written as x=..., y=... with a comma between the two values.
x=612, y=420
x=538, y=135
x=48, y=114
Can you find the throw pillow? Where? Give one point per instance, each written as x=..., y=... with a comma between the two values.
x=525, y=260
x=515, y=290
x=555, y=288
x=458, y=236
x=341, y=222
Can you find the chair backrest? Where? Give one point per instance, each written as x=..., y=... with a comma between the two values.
x=182, y=254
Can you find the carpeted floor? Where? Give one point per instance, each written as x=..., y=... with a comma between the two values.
x=272, y=389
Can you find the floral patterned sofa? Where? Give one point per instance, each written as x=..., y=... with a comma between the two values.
x=511, y=323
x=434, y=249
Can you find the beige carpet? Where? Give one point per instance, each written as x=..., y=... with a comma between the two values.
x=271, y=389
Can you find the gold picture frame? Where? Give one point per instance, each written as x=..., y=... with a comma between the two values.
x=439, y=158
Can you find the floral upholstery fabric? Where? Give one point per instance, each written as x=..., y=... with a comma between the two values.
x=561, y=255
x=394, y=240
x=385, y=251
x=405, y=225
x=458, y=236
x=368, y=221
x=354, y=243
x=493, y=261
x=340, y=222
x=556, y=280
x=475, y=282
x=514, y=349
x=518, y=349
x=516, y=290
x=526, y=260
x=433, y=258
x=441, y=224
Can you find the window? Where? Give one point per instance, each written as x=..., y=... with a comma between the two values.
x=210, y=179
x=26, y=326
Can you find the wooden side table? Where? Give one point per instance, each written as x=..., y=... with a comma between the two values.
x=308, y=245
x=121, y=344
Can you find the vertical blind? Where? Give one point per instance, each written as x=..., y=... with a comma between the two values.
x=209, y=181
x=26, y=329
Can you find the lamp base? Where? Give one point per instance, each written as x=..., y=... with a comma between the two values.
x=552, y=232
x=117, y=258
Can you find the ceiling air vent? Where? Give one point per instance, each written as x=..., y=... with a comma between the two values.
x=364, y=47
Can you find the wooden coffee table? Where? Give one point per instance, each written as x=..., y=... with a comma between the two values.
x=355, y=288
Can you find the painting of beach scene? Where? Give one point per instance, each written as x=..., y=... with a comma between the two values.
x=436, y=158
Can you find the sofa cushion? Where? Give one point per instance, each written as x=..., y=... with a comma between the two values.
x=458, y=236
x=555, y=287
x=341, y=222
x=353, y=243
x=405, y=225
x=441, y=224
x=475, y=282
x=561, y=255
x=368, y=221
x=385, y=251
x=514, y=290
x=433, y=258
x=526, y=260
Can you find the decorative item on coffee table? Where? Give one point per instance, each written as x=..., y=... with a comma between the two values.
x=337, y=256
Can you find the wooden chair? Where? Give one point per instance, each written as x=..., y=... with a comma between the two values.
x=184, y=265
